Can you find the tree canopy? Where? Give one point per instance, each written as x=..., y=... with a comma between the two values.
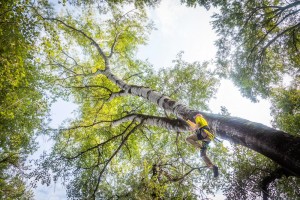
x=259, y=43
x=258, y=48
x=22, y=100
x=128, y=138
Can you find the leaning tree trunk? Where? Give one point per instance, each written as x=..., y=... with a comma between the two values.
x=277, y=145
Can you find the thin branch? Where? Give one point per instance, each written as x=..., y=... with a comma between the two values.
x=279, y=35
x=176, y=179
x=113, y=45
x=64, y=67
x=94, y=147
x=98, y=110
x=85, y=126
x=93, y=42
x=114, y=154
x=270, y=30
x=88, y=87
x=73, y=59
x=136, y=74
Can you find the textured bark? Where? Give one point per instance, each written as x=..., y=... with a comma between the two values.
x=163, y=122
x=155, y=97
x=277, y=145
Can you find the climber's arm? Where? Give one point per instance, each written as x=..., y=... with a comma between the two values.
x=192, y=125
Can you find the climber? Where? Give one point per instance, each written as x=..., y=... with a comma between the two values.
x=201, y=139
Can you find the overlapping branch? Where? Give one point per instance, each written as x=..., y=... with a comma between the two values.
x=115, y=153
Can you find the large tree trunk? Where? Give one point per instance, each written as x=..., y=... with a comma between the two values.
x=277, y=145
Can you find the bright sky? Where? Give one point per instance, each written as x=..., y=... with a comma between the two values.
x=178, y=29
x=188, y=29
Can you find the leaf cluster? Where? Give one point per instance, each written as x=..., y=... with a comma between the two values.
x=23, y=106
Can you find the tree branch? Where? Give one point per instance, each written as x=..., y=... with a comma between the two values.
x=113, y=45
x=270, y=30
x=276, y=174
x=279, y=35
x=93, y=42
x=94, y=147
x=117, y=94
x=163, y=122
x=114, y=154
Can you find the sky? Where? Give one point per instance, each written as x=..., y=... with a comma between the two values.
x=188, y=29
x=178, y=29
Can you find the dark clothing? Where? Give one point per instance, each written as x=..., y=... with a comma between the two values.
x=202, y=134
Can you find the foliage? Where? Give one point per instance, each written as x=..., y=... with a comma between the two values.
x=137, y=3
x=94, y=157
x=286, y=109
x=22, y=107
x=249, y=170
x=193, y=83
x=258, y=42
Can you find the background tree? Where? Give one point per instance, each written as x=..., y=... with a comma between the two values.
x=22, y=103
x=126, y=140
x=258, y=43
x=286, y=109
x=258, y=48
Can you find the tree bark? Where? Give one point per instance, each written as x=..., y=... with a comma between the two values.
x=163, y=122
x=281, y=147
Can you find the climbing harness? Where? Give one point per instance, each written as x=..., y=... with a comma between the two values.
x=207, y=131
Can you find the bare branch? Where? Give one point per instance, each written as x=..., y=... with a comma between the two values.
x=136, y=74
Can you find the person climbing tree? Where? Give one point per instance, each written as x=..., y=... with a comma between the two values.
x=201, y=139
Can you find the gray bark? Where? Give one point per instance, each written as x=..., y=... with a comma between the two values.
x=277, y=145
x=163, y=122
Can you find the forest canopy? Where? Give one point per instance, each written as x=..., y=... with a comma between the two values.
x=127, y=140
